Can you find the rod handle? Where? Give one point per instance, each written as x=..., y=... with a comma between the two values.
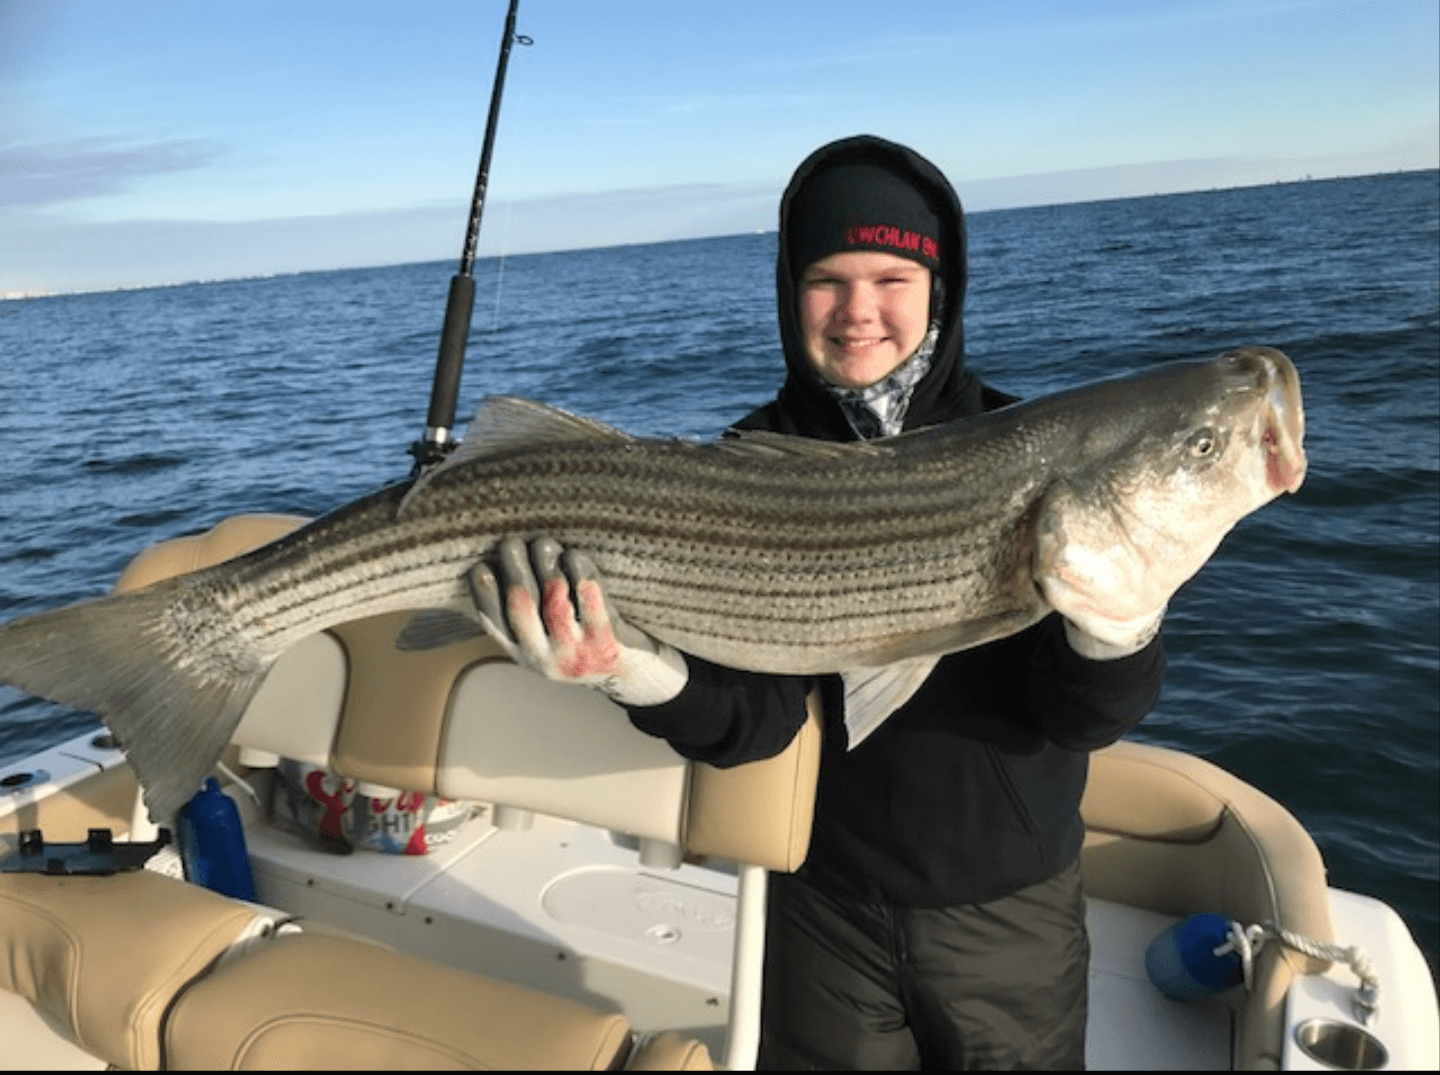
x=451, y=360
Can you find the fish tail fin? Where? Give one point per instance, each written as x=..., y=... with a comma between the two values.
x=172, y=710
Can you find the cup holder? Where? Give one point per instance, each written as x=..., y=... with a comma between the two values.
x=1341, y=1045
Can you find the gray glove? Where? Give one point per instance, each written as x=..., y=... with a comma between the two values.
x=564, y=627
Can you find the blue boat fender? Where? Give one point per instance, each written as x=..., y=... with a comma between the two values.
x=212, y=843
x=1195, y=958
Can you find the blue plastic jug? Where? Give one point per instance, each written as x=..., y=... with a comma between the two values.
x=212, y=844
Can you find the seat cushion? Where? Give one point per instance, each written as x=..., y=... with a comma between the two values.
x=102, y=957
x=318, y=1001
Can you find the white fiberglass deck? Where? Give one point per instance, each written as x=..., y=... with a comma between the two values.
x=562, y=907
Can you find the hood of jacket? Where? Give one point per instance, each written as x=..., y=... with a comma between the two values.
x=805, y=406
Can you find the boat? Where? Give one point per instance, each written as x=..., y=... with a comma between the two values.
x=602, y=902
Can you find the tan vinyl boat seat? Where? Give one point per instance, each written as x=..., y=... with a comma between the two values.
x=103, y=958
x=313, y=1001
x=1172, y=833
x=149, y=973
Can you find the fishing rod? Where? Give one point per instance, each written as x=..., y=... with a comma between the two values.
x=460, y=304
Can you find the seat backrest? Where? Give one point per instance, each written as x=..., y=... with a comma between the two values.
x=463, y=722
x=1175, y=834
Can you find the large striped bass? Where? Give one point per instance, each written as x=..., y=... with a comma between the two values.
x=763, y=552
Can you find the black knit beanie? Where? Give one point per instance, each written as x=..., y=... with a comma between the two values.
x=861, y=206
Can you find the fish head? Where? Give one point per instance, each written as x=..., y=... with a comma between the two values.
x=1180, y=454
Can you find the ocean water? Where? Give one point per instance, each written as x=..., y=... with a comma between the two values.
x=1305, y=657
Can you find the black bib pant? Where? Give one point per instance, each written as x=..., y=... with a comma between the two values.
x=861, y=985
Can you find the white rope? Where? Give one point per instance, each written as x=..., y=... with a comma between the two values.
x=1247, y=941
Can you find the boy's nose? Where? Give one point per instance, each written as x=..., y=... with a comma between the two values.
x=859, y=303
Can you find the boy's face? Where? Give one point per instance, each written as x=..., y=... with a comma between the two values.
x=862, y=314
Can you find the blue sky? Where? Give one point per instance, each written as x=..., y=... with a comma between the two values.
x=155, y=141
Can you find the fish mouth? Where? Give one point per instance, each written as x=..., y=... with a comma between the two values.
x=1282, y=416
x=1285, y=465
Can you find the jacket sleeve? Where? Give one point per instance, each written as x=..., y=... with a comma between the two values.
x=1082, y=704
x=726, y=717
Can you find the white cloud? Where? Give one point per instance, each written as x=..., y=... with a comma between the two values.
x=38, y=174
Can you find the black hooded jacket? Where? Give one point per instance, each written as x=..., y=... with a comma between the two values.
x=971, y=790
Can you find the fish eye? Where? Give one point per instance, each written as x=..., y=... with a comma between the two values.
x=1202, y=443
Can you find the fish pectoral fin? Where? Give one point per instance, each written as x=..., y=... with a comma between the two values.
x=436, y=628
x=872, y=694
x=510, y=423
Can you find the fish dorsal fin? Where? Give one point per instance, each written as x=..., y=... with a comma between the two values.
x=763, y=444
x=509, y=423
